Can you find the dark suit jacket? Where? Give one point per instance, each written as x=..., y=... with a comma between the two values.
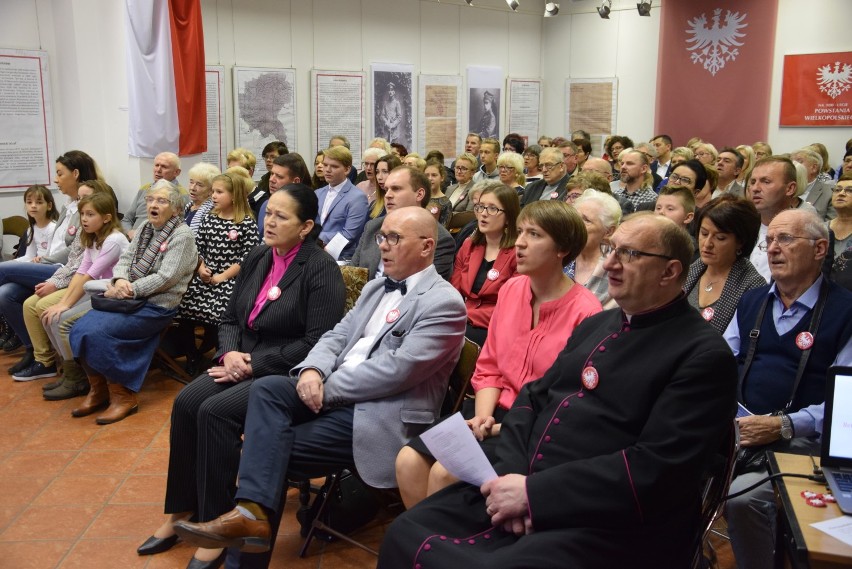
x=533, y=191
x=367, y=254
x=820, y=198
x=312, y=301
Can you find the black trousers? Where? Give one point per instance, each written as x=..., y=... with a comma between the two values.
x=204, y=454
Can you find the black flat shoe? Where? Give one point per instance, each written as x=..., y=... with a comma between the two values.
x=215, y=564
x=155, y=545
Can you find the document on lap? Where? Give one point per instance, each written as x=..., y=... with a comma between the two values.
x=452, y=443
x=742, y=411
x=336, y=245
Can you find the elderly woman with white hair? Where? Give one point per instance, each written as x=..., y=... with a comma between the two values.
x=370, y=186
x=601, y=214
x=200, y=189
x=510, y=167
x=114, y=342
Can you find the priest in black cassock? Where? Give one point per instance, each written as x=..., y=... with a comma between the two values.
x=600, y=462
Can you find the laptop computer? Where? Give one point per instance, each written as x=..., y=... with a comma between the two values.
x=836, y=453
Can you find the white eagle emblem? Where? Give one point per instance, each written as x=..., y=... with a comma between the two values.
x=714, y=46
x=834, y=82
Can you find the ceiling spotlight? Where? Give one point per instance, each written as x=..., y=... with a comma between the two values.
x=604, y=9
x=644, y=8
x=551, y=9
x=513, y=4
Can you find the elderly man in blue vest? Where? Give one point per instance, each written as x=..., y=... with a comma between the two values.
x=801, y=318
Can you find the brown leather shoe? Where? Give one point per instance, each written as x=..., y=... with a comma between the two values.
x=229, y=530
x=122, y=403
x=97, y=398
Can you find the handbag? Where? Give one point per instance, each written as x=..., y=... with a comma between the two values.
x=351, y=505
x=753, y=459
x=121, y=305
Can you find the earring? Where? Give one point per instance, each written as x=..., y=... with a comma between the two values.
x=302, y=237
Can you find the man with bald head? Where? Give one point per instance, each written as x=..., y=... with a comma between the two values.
x=598, y=465
x=166, y=167
x=787, y=408
x=368, y=386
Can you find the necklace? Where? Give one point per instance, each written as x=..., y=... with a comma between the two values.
x=709, y=286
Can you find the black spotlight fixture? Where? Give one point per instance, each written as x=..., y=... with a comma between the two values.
x=644, y=8
x=604, y=9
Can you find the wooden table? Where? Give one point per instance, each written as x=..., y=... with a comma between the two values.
x=805, y=546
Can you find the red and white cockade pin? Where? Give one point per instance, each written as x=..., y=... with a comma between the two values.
x=816, y=502
x=434, y=210
x=163, y=247
x=590, y=377
x=273, y=293
x=804, y=340
x=493, y=274
x=707, y=314
x=43, y=245
x=554, y=195
x=72, y=230
x=232, y=235
x=392, y=316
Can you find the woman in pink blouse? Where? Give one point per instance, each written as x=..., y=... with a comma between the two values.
x=532, y=321
x=486, y=259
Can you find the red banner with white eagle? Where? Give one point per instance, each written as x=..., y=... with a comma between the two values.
x=817, y=90
x=715, y=70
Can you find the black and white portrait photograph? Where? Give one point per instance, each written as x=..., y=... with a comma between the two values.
x=393, y=110
x=484, y=113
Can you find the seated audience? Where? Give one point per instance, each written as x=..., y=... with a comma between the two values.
x=318, y=177
x=459, y=193
x=261, y=192
x=534, y=317
x=554, y=178
x=761, y=150
x=614, y=146
x=677, y=203
x=414, y=160
x=227, y=233
x=730, y=165
x=384, y=165
x=50, y=318
x=287, y=169
x=489, y=149
x=601, y=215
x=288, y=295
x=840, y=233
x=342, y=207
x=747, y=152
x=200, y=189
x=787, y=405
x=486, y=259
x=706, y=153
x=166, y=167
x=814, y=191
x=727, y=233
x=41, y=216
x=635, y=181
x=510, y=169
x=369, y=185
x=597, y=466
x=389, y=359
x=115, y=348
x=531, y=167
x=404, y=187
x=439, y=205
x=772, y=188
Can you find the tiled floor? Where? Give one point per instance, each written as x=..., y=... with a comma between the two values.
x=77, y=495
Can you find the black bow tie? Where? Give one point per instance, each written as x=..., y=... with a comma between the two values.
x=392, y=285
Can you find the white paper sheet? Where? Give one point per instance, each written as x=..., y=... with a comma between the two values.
x=838, y=528
x=336, y=245
x=452, y=443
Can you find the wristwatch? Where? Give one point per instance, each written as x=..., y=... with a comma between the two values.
x=786, y=427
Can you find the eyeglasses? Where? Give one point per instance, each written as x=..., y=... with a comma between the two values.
x=845, y=189
x=159, y=201
x=783, y=240
x=392, y=238
x=491, y=209
x=625, y=255
x=573, y=196
x=674, y=178
x=505, y=167
x=549, y=167
x=462, y=169
x=568, y=155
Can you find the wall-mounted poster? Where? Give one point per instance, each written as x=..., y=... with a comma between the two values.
x=441, y=126
x=264, y=108
x=485, y=89
x=337, y=108
x=524, y=108
x=214, y=76
x=817, y=90
x=393, y=103
x=591, y=105
x=27, y=150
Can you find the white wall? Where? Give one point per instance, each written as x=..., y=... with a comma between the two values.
x=85, y=43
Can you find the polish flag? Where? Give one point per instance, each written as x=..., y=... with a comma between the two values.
x=165, y=77
x=715, y=70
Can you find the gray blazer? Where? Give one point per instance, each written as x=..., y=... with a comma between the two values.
x=397, y=391
x=367, y=254
x=820, y=198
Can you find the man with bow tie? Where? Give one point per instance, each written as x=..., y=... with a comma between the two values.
x=368, y=386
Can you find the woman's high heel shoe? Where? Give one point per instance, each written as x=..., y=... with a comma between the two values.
x=154, y=545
